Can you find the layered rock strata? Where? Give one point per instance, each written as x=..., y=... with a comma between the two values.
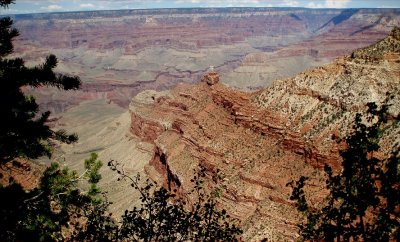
x=117, y=54
x=260, y=141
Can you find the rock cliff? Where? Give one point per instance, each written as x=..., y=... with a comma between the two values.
x=259, y=141
x=118, y=54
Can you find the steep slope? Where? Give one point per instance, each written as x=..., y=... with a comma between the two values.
x=350, y=30
x=259, y=141
x=323, y=101
x=117, y=54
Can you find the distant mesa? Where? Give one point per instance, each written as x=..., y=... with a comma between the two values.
x=118, y=54
x=150, y=21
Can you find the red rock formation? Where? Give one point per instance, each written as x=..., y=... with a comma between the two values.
x=211, y=78
x=109, y=49
x=24, y=172
x=260, y=141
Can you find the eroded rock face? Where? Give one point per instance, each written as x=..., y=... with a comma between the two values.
x=118, y=54
x=211, y=78
x=260, y=141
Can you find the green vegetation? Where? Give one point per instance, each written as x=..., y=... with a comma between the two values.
x=362, y=204
x=58, y=209
x=24, y=131
x=376, y=51
x=164, y=216
x=56, y=205
x=364, y=196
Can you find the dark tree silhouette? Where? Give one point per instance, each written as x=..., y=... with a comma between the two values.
x=56, y=205
x=364, y=198
x=163, y=216
x=57, y=209
x=24, y=132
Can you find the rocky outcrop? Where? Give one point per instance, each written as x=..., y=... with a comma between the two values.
x=376, y=51
x=211, y=78
x=118, y=54
x=221, y=129
x=260, y=141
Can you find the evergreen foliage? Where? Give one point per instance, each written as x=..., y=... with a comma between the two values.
x=163, y=216
x=364, y=196
x=56, y=205
x=24, y=131
x=362, y=205
x=58, y=209
x=5, y=3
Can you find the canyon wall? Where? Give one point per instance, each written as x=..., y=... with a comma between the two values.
x=257, y=142
x=120, y=53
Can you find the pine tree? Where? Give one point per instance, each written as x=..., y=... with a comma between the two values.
x=364, y=197
x=24, y=132
x=164, y=216
x=58, y=209
x=57, y=204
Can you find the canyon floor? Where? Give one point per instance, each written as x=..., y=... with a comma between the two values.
x=258, y=141
x=263, y=113
x=117, y=54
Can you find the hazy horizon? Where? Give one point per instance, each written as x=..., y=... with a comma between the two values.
x=48, y=6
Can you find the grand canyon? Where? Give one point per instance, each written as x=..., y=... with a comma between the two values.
x=255, y=93
x=119, y=53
